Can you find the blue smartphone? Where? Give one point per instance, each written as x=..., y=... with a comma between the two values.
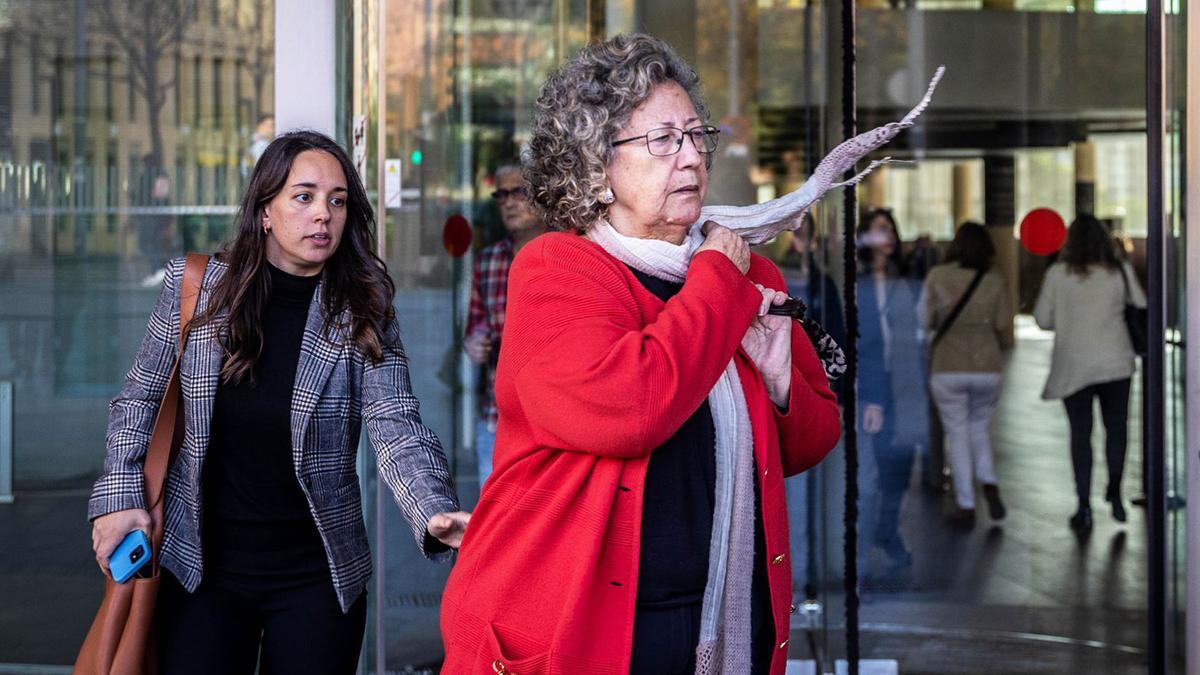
x=131, y=556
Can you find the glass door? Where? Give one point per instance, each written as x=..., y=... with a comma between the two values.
x=1178, y=311
x=448, y=99
x=443, y=96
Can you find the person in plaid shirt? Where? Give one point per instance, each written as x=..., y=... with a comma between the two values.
x=489, y=286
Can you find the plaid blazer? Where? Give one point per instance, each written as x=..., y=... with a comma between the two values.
x=337, y=390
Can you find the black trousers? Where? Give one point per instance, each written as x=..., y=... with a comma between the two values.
x=231, y=628
x=895, y=462
x=665, y=641
x=1114, y=411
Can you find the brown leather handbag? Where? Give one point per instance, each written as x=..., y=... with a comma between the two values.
x=121, y=639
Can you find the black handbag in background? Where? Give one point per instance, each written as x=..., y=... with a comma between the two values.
x=1137, y=319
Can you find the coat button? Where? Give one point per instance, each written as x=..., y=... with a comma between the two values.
x=783, y=645
x=778, y=559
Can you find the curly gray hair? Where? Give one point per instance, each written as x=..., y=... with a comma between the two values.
x=582, y=106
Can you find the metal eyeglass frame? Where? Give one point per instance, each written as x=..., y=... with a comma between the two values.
x=708, y=129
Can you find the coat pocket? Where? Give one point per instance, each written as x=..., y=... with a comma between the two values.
x=508, y=652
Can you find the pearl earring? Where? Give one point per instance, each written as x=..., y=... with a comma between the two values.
x=607, y=197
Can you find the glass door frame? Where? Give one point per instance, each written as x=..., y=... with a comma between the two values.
x=1191, y=199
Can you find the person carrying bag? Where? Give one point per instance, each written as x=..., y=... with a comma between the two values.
x=966, y=364
x=293, y=352
x=1097, y=313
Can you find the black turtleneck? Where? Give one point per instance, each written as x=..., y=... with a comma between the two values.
x=256, y=518
x=677, y=520
x=677, y=504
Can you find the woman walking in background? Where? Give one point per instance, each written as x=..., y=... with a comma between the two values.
x=967, y=306
x=892, y=380
x=1082, y=300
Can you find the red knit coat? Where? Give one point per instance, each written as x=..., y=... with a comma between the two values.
x=595, y=372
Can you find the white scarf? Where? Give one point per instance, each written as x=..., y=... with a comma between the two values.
x=725, y=640
x=758, y=223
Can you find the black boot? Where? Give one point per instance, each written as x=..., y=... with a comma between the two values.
x=1113, y=496
x=1082, y=520
x=961, y=518
x=991, y=493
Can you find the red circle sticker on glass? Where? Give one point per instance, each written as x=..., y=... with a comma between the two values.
x=456, y=236
x=1043, y=232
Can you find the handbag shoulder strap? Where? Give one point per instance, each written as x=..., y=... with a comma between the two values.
x=168, y=424
x=958, y=308
x=1125, y=282
x=193, y=276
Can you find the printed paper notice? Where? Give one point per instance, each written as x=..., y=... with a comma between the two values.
x=391, y=183
x=359, y=138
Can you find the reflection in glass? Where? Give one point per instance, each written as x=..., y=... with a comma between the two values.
x=126, y=134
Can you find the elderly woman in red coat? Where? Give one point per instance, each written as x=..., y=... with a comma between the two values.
x=650, y=408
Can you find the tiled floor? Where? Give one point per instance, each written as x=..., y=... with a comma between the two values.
x=1024, y=595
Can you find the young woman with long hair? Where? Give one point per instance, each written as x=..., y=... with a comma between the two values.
x=1083, y=301
x=891, y=389
x=294, y=347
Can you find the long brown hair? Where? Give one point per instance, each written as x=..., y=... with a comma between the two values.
x=355, y=278
x=972, y=247
x=1089, y=243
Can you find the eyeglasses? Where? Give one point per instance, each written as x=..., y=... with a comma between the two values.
x=668, y=140
x=521, y=193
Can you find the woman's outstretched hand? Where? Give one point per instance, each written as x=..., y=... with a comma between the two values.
x=449, y=528
x=768, y=342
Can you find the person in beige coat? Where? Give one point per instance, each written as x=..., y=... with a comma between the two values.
x=967, y=360
x=1082, y=300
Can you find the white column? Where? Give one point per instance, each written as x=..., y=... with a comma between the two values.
x=305, y=66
